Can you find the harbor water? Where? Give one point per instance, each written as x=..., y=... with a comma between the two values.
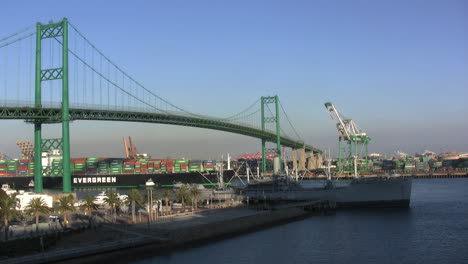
x=433, y=230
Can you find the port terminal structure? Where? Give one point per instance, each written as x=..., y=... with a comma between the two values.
x=92, y=87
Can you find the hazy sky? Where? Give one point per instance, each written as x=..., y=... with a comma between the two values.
x=398, y=68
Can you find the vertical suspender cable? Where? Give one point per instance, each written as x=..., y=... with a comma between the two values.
x=85, y=88
x=30, y=67
x=100, y=82
x=108, y=86
x=75, y=67
x=6, y=74
x=93, y=89
x=18, y=86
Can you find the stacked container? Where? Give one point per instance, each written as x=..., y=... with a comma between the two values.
x=31, y=168
x=209, y=165
x=12, y=167
x=409, y=166
x=155, y=165
x=163, y=166
x=78, y=165
x=170, y=165
x=128, y=166
x=116, y=166
x=421, y=166
x=103, y=166
x=23, y=167
x=92, y=165
x=181, y=165
x=195, y=165
x=3, y=168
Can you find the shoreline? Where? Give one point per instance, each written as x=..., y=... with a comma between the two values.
x=186, y=231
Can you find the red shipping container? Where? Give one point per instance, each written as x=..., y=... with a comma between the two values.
x=22, y=167
x=2, y=173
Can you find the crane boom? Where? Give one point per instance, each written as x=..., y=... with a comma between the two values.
x=356, y=138
x=127, y=154
x=347, y=128
x=132, y=147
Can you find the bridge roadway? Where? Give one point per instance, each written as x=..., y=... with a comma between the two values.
x=53, y=115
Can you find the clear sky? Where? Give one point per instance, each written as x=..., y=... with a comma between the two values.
x=398, y=68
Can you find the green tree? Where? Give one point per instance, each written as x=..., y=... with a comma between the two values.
x=88, y=204
x=194, y=194
x=65, y=205
x=134, y=197
x=112, y=200
x=36, y=207
x=7, y=210
x=167, y=197
x=182, y=195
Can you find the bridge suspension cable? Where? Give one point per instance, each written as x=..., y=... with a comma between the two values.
x=289, y=121
x=98, y=83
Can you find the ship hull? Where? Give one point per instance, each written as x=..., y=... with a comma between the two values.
x=372, y=192
x=376, y=192
x=118, y=180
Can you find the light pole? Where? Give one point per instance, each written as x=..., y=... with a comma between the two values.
x=149, y=187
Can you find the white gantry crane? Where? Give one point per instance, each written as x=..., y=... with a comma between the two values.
x=357, y=140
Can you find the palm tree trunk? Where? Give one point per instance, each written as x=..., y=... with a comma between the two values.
x=5, y=221
x=167, y=208
x=133, y=212
x=90, y=218
x=65, y=219
x=37, y=223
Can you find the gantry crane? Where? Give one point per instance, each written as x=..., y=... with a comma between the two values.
x=356, y=139
x=130, y=151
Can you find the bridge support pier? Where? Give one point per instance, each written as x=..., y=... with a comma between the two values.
x=311, y=161
x=38, y=185
x=294, y=159
x=318, y=160
x=302, y=160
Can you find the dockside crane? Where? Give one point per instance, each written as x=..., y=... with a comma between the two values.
x=355, y=137
x=131, y=151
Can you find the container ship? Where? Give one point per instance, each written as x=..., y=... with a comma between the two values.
x=114, y=172
x=360, y=192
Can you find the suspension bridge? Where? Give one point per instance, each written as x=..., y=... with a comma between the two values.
x=51, y=73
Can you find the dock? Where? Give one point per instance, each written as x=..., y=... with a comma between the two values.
x=181, y=231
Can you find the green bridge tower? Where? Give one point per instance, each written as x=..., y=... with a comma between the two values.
x=52, y=30
x=271, y=118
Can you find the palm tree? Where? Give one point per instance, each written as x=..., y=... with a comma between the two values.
x=150, y=199
x=181, y=195
x=194, y=193
x=65, y=204
x=134, y=197
x=7, y=210
x=36, y=207
x=88, y=204
x=167, y=197
x=112, y=200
